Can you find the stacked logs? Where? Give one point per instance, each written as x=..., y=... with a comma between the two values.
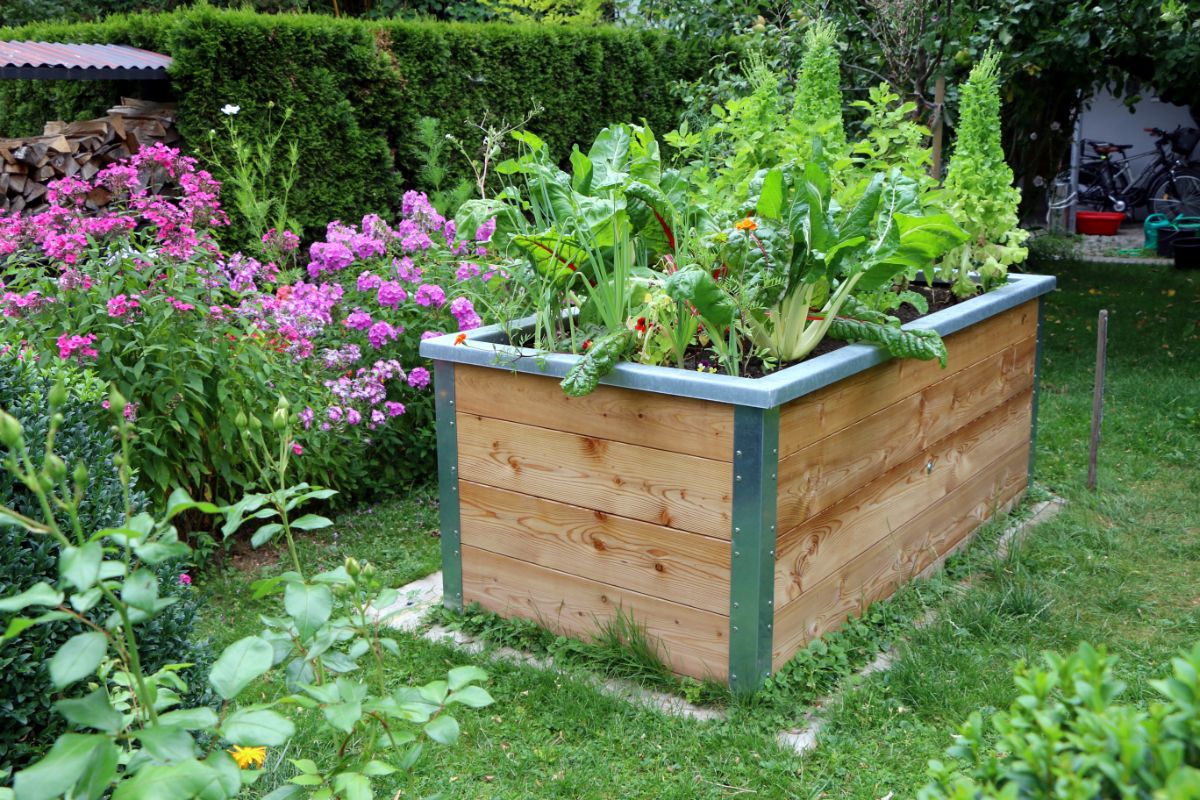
x=79, y=149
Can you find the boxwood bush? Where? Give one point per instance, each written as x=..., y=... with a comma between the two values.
x=26, y=699
x=359, y=87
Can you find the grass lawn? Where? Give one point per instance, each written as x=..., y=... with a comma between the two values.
x=1119, y=567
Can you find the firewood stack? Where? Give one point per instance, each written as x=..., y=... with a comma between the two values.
x=79, y=149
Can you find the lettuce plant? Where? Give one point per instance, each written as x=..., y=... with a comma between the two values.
x=979, y=189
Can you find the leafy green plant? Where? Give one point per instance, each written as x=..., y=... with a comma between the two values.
x=144, y=742
x=979, y=189
x=1066, y=736
x=434, y=173
x=818, y=102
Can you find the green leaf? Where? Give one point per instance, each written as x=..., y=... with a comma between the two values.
x=181, y=501
x=265, y=534
x=770, y=198
x=75, y=761
x=460, y=677
x=696, y=286
x=258, y=727
x=187, y=778
x=80, y=566
x=285, y=792
x=902, y=343
x=190, y=718
x=443, y=729
x=241, y=663
x=166, y=743
x=609, y=154
x=91, y=711
x=311, y=522
x=553, y=255
x=376, y=768
x=581, y=171
x=40, y=594
x=353, y=786
x=309, y=606
x=140, y=590
x=19, y=624
x=77, y=658
x=472, y=697
x=600, y=359
x=305, y=765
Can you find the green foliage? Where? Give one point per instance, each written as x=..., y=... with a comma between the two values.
x=1066, y=736
x=144, y=739
x=26, y=699
x=818, y=101
x=358, y=89
x=599, y=360
x=979, y=190
x=434, y=173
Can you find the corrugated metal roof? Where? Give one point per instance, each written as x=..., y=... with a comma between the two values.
x=55, y=59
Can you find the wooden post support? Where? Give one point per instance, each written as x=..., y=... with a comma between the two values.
x=1098, y=395
x=939, y=103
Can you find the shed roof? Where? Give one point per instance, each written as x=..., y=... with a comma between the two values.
x=80, y=61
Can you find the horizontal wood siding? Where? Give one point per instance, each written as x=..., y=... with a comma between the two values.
x=811, y=552
x=672, y=565
x=877, y=572
x=824, y=472
x=693, y=642
x=665, y=422
x=817, y=415
x=670, y=489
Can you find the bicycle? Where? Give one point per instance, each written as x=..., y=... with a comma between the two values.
x=1169, y=186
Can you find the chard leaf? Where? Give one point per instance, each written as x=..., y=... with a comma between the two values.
x=919, y=344
x=696, y=286
x=552, y=254
x=583, y=378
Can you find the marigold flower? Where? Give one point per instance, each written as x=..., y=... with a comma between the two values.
x=247, y=757
x=462, y=337
x=746, y=224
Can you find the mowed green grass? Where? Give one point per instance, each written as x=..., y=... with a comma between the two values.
x=1119, y=567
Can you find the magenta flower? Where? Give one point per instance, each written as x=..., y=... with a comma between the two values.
x=392, y=294
x=75, y=346
x=418, y=377
x=368, y=281
x=297, y=449
x=185, y=579
x=430, y=295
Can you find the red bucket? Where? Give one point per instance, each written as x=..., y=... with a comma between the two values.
x=1098, y=223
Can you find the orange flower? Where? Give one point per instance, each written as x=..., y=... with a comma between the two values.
x=462, y=337
x=746, y=224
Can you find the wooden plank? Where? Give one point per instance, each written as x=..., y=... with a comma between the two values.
x=816, y=477
x=814, y=416
x=891, y=562
x=670, y=489
x=693, y=642
x=680, y=567
x=818, y=548
x=666, y=422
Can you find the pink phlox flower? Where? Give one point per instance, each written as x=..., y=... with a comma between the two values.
x=418, y=377
x=392, y=294
x=430, y=295
x=76, y=346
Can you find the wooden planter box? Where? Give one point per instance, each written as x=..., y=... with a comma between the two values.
x=735, y=519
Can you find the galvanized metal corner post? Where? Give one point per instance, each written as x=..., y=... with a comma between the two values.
x=752, y=573
x=448, y=503
x=1037, y=380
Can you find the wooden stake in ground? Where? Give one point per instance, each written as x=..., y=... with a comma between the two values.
x=939, y=103
x=1098, y=395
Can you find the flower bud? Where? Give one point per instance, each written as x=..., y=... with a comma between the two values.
x=55, y=467
x=255, y=423
x=283, y=403
x=81, y=474
x=58, y=394
x=240, y=420
x=352, y=567
x=279, y=419
x=10, y=431
x=117, y=402
x=368, y=570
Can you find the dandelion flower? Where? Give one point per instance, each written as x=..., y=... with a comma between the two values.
x=247, y=757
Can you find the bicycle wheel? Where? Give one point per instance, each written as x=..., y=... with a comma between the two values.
x=1185, y=199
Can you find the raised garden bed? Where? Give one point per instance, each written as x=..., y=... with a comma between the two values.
x=735, y=519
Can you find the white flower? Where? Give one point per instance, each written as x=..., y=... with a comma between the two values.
x=229, y=110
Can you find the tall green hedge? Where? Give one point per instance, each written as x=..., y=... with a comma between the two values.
x=358, y=87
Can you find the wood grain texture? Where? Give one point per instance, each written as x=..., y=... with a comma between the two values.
x=819, y=475
x=818, y=548
x=817, y=415
x=672, y=565
x=667, y=422
x=669, y=489
x=693, y=642
x=876, y=573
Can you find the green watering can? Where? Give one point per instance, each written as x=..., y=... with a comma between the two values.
x=1151, y=227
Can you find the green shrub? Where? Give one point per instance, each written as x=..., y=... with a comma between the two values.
x=1066, y=736
x=360, y=88
x=26, y=700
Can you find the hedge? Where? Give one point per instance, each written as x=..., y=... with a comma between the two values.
x=358, y=87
